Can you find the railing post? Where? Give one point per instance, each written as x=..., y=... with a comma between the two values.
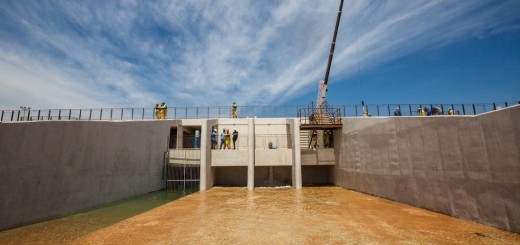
x=474, y=110
x=90, y=115
x=142, y=115
x=18, y=116
x=28, y=114
x=208, y=112
x=59, y=115
x=197, y=110
x=2, y=118
x=494, y=107
x=388, y=109
x=506, y=104
x=70, y=112
x=111, y=110
x=410, y=106
x=49, y=115
x=122, y=111
x=356, y=109
x=80, y=110
x=132, y=113
x=463, y=110
x=186, y=112
x=377, y=109
x=12, y=115
x=100, y=113
x=442, y=109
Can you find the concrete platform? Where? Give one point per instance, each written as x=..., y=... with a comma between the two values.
x=317, y=215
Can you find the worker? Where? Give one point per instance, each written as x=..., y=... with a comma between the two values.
x=326, y=139
x=228, y=139
x=214, y=139
x=223, y=139
x=314, y=139
x=451, y=111
x=164, y=110
x=397, y=112
x=235, y=137
x=420, y=111
x=234, y=110
x=157, y=112
x=436, y=111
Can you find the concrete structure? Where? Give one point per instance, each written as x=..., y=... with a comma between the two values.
x=49, y=169
x=467, y=166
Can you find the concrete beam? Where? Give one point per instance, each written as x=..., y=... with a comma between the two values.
x=251, y=155
x=297, y=162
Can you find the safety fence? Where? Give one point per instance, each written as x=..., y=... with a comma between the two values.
x=262, y=141
x=282, y=111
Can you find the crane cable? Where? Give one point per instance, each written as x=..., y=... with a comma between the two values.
x=360, y=83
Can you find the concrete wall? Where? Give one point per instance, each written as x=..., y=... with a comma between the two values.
x=53, y=168
x=467, y=167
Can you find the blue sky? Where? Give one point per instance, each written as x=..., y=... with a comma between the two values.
x=91, y=54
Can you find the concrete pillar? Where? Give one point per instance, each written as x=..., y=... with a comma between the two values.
x=297, y=157
x=251, y=154
x=205, y=163
x=180, y=137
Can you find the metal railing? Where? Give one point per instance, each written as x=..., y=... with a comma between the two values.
x=312, y=115
x=120, y=114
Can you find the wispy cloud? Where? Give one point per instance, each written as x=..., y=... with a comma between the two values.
x=135, y=53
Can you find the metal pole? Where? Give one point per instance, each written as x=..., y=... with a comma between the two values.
x=80, y=114
x=410, y=106
x=2, y=118
x=101, y=113
x=474, y=110
x=506, y=104
x=59, y=115
x=132, y=113
x=122, y=111
x=111, y=111
x=463, y=110
x=90, y=115
x=70, y=112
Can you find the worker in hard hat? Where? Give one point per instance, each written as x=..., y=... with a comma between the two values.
x=420, y=111
x=223, y=139
x=227, y=135
x=326, y=139
x=164, y=110
x=157, y=112
x=234, y=110
x=451, y=112
x=214, y=139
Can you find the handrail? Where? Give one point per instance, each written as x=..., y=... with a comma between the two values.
x=132, y=114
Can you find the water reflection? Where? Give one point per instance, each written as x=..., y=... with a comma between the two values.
x=65, y=229
x=316, y=215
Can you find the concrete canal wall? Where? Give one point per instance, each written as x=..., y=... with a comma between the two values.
x=467, y=167
x=49, y=169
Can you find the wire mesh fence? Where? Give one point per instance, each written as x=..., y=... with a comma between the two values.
x=282, y=111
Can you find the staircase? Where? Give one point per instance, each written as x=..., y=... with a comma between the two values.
x=305, y=137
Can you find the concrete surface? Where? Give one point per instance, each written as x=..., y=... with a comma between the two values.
x=325, y=215
x=54, y=168
x=467, y=167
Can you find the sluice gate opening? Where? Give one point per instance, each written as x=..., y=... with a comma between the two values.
x=183, y=177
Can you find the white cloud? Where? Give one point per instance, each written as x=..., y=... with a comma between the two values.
x=135, y=53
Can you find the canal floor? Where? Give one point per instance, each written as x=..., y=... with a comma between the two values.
x=313, y=215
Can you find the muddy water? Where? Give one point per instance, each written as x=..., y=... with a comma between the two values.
x=65, y=230
x=317, y=215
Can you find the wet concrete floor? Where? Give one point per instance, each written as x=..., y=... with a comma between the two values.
x=314, y=215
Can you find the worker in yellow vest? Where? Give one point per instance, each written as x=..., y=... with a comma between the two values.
x=164, y=110
x=234, y=110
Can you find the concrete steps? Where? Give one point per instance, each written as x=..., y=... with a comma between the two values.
x=305, y=137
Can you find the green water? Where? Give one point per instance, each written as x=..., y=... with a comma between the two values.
x=65, y=229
